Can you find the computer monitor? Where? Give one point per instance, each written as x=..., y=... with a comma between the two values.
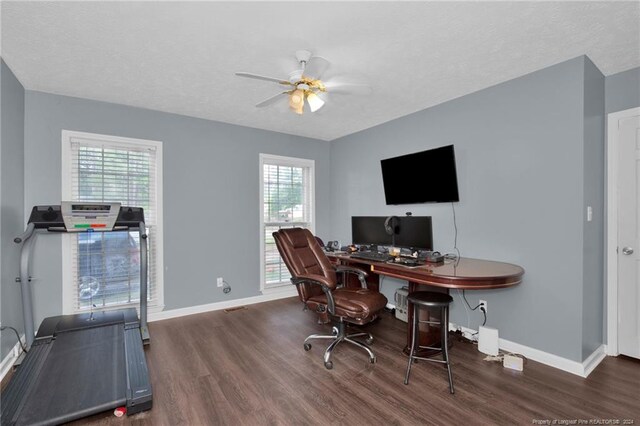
x=367, y=230
x=415, y=232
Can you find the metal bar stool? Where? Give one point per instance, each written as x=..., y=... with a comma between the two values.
x=430, y=299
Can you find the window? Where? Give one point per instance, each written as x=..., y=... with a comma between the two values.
x=287, y=201
x=102, y=269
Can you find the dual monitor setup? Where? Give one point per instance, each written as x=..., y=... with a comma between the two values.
x=411, y=234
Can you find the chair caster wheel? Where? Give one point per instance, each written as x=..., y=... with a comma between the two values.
x=372, y=360
x=369, y=340
x=307, y=346
x=328, y=365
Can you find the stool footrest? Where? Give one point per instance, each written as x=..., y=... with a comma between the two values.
x=430, y=322
x=439, y=361
x=429, y=347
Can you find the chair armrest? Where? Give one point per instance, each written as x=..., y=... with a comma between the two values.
x=322, y=282
x=362, y=275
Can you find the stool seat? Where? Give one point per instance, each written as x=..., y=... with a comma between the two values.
x=430, y=299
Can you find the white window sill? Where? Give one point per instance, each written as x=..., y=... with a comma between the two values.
x=283, y=289
x=151, y=309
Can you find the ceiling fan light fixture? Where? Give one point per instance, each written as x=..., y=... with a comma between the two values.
x=296, y=99
x=298, y=109
x=315, y=102
x=305, y=83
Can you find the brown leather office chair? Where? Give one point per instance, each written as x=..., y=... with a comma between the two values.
x=316, y=281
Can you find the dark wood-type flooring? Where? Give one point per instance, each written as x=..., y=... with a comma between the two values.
x=248, y=367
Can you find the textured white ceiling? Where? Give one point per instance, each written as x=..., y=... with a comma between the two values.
x=180, y=57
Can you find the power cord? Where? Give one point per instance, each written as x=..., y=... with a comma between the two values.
x=455, y=229
x=466, y=311
x=467, y=302
x=479, y=305
x=24, y=348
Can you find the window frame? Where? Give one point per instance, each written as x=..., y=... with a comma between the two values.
x=68, y=291
x=290, y=162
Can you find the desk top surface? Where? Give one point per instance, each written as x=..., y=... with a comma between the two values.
x=464, y=273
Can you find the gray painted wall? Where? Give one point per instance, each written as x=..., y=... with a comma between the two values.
x=593, y=232
x=622, y=90
x=211, y=191
x=519, y=152
x=11, y=201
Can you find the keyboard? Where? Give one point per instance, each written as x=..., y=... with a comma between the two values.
x=372, y=255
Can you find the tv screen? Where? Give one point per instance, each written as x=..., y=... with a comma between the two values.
x=423, y=177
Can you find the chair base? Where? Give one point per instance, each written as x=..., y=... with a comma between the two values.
x=340, y=335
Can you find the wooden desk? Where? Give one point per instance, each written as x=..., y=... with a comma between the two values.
x=465, y=273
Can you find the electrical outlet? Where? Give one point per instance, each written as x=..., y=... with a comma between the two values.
x=220, y=281
x=483, y=305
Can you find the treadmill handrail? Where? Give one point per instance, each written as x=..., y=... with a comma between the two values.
x=27, y=239
x=26, y=234
x=144, y=331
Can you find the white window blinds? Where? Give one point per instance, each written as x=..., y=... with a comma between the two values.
x=287, y=201
x=105, y=266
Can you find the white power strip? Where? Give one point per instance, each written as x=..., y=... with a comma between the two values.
x=467, y=333
x=513, y=362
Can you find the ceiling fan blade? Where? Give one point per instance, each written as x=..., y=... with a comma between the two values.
x=316, y=66
x=262, y=77
x=271, y=100
x=347, y=88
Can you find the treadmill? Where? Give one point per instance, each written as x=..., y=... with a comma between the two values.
x=84, y=364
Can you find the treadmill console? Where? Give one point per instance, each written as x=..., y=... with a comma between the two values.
x=79, y=217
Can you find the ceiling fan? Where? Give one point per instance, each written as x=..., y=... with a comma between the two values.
x=305, y=84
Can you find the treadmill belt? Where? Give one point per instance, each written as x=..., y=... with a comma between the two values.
x=89, y=367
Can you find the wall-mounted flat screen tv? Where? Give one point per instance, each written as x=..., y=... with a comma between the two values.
x=422, y=177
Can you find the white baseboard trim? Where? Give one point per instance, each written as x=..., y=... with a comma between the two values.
x=593, y=360
x=216, y=306
x=582, y=369
x=466, y=332
x=11, y=358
